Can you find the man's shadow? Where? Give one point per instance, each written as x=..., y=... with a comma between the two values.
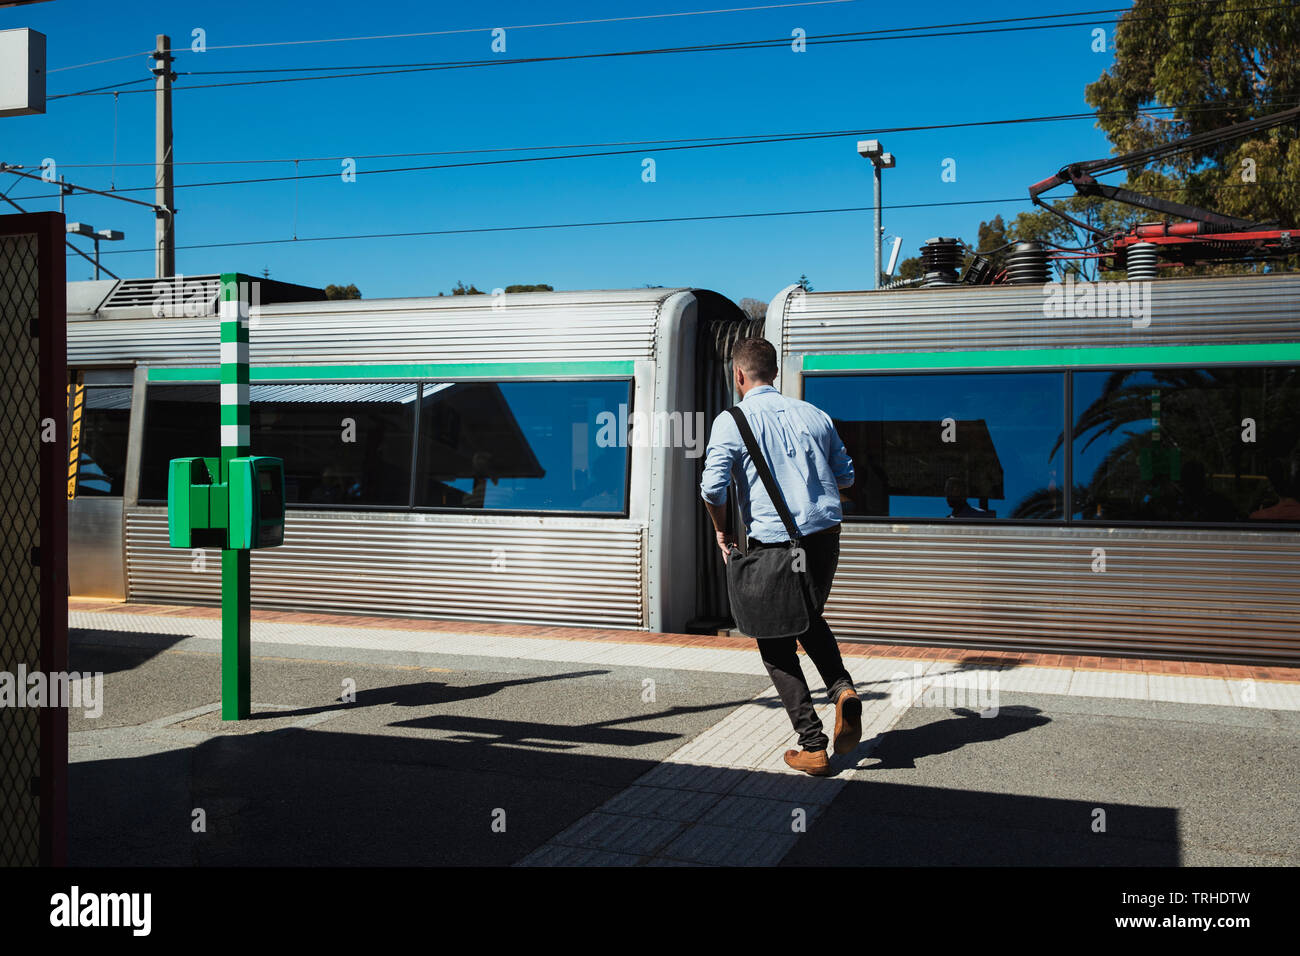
x=900, y=749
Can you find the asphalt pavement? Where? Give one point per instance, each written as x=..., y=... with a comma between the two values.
x=373, y=756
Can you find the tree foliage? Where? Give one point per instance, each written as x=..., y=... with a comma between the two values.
x=349, y=291
x=909, y=268
x=471, y=289
x=1214, y=64
x=1217, y=64
x=754, y=308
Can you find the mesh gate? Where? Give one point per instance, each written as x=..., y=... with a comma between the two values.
x=32, y=764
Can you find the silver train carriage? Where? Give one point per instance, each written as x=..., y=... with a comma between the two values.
x=527, y=457
x=1107, y=470
x=1100, y=468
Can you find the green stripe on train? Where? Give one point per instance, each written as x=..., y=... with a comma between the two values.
x=1139, y=356
x=351, y=373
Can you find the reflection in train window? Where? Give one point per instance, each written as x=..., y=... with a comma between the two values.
x=101, y=444
x=180, y=421
x=950, y=445
x=342, y=444
x=523, y=446
x=1188, y=445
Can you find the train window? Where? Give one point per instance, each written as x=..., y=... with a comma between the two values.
x=342, y=444
x=100, y=445
x=523, y=446
x=1188, y=445
x=180, y=421
x=949, y=445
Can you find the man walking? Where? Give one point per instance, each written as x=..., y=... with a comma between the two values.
x=810, y=465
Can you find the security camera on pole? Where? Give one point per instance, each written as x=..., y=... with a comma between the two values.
x=872, y=150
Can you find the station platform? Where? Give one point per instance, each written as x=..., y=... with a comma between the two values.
x=504, y=744
x=1130, y=665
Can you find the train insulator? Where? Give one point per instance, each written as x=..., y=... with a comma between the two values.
x=940, y=258
x=1027, y=264
x=1140, y=260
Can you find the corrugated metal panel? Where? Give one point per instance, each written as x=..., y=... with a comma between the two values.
x=1211, y=595
x=108, y=396
x=580, y=572
x=964, y=318
x=387, y=392
x=614, y=325
x=1214, y=595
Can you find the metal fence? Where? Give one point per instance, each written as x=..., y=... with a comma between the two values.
x=20, y=617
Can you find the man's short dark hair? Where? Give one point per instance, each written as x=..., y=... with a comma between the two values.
x=757, y=357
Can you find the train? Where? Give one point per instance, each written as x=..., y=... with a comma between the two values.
x=1050, y=467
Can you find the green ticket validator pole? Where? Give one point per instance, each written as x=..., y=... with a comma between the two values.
x=234, y=501
x=236, y=602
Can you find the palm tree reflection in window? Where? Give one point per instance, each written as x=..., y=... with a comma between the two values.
x=1170, y=445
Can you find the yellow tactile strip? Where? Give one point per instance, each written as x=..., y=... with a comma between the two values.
x=893, y=651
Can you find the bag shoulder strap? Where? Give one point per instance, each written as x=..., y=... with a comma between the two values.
x=764, y=472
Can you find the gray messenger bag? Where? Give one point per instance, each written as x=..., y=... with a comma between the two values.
x=768, y=587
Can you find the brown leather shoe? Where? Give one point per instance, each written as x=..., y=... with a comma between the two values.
x=848, y=721
x=812, y=762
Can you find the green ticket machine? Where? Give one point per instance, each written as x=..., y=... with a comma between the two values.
x=243, y=513
x=234, y=503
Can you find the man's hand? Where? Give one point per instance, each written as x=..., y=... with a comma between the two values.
x=718, y=514
x=725, y=540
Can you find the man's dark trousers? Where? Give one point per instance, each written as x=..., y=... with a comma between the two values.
x=782, y=659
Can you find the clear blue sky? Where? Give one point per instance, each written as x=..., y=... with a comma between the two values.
x=829, y=87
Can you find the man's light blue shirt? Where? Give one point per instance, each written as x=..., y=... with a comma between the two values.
x=805, y=454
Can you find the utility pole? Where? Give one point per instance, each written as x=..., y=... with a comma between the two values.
x=164, y=182
x=875, y=276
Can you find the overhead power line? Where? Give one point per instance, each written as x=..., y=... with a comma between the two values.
x=796, y=137
x=535, y=26
x=575, y=225
x=66, y=241
x=111, y=59
x=635, y=222
x=67, y=188
x=726, y=142
x=866, y=36
x=883, y=33
x=464, y=30
x=563, y=23
x=740, y=138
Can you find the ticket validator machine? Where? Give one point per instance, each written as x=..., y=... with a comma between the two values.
x=245, y=512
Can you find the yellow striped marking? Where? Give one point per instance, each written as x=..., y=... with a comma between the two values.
x=76, y=398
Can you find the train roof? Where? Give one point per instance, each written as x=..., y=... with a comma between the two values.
x=1166, y=311
x=120, y=322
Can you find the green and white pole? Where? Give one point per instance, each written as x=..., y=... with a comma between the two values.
x=235, y=601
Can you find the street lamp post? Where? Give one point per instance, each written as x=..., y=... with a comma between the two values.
x=95, y=235
x=872, y=150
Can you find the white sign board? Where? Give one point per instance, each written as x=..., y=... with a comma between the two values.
x=22, y=72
